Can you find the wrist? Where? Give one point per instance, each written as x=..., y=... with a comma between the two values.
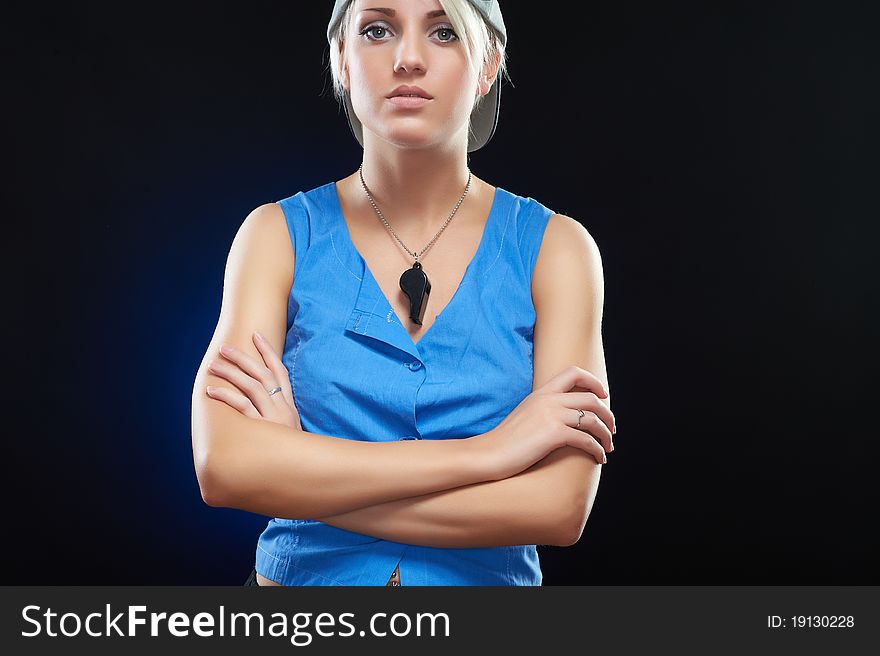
x=481, y=453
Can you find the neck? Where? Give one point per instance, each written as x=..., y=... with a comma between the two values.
x=416, y=188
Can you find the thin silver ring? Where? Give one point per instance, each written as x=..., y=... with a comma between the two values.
x=275, y=390
x=582, y=413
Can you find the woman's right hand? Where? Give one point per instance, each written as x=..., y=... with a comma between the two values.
x=548, y=418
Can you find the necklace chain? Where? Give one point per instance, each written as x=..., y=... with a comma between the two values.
x=391, y=230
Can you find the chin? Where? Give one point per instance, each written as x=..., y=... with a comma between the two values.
x=412, y=140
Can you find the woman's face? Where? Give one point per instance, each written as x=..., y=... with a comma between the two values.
x=411, y=43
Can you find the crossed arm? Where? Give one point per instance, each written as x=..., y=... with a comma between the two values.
x=545, y=504
x=541, y=505
x=548, y=503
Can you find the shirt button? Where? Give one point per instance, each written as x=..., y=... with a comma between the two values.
x=414, y=365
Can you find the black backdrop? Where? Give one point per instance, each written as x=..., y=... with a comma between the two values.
x=719, y=154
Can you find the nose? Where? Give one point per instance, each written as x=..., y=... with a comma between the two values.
x=410, y=57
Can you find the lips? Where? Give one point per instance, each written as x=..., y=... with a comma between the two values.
x=408, y=90
x=409, y=102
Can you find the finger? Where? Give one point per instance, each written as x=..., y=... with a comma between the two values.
x=589, y=401
x=234, y=399
x=276, y=366
x=250, y=365
x=586, y=443
x=591, y=424
x=572, y=376
x=605, y=399
x=253, y=389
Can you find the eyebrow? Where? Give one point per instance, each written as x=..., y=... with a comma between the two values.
x=392, y=13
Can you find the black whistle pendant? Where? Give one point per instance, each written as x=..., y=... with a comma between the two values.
x=417, y=287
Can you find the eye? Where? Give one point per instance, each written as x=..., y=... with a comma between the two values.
x=445, y=29
x=370, y=28
x=453, y=35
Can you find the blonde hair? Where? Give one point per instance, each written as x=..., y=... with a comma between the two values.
x=481, y=44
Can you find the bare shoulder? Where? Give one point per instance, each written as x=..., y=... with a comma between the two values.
x=265, y=223
x=568, y=296
x=568, y=234
x=263, y=239
x=568, y=260
x=257, y=280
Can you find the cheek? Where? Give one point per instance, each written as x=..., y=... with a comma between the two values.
x=465, y=89
x=448, y=75
x=364, y=75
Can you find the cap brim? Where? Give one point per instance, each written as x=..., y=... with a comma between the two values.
x=484, y=119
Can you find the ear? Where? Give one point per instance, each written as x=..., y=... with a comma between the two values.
x=344, y=77
x=489, y=73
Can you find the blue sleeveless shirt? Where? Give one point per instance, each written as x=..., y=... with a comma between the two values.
x=356, y=373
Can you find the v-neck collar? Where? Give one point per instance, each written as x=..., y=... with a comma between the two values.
x=374, y=316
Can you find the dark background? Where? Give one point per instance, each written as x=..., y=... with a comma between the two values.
x=719, y=153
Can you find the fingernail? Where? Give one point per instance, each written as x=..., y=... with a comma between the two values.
x=226, y=350
x=259, y=335
x=211, y=390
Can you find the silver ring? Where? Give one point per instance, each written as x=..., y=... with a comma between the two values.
x=582, y=413
x=275, y=390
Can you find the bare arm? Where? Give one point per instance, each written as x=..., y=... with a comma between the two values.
x=548, y=503
x=271, y=469
x=522, y=509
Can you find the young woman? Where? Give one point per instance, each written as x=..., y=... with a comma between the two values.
x=411, y=381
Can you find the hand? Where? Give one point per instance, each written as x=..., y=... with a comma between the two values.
x=548, y=419
x=254, y=379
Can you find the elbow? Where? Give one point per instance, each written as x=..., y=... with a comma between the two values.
x=211, y=454
x=210, y=497
x=570, y=526
x=210, y=483
x=211, y=461
x=571, y=534
x=212, y=492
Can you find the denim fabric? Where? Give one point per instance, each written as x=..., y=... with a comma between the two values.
x=356, y=374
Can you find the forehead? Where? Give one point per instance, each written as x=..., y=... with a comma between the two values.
x=390, y=8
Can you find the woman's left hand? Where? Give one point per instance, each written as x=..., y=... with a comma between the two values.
x=254, y=380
